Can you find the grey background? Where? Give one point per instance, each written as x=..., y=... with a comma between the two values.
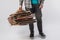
x=51, y=21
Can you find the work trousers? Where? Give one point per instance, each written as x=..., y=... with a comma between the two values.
x=38, y=14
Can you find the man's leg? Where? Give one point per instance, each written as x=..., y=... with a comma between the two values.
x=31, y=27
x=38, y=15
x=39, y=20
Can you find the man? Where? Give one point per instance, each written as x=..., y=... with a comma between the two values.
x=34, y=6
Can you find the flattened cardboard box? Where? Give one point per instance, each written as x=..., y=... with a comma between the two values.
x=21, y=18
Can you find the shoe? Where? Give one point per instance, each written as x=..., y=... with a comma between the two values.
x=31, y=35
x=42, y=35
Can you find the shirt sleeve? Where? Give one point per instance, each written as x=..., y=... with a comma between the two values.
x=20, y=2
x=42, y=1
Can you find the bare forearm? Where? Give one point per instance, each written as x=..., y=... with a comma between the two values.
x=42, y=1
x=20, y=5
x=20, y=2
x=41, y=5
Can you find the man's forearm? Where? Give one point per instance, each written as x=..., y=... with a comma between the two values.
x=42, y=1
x=20, y=2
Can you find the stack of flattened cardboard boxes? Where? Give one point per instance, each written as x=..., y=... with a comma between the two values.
x=21, y=18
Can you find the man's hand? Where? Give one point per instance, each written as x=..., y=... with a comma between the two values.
x=19, y=9
x=41, y=6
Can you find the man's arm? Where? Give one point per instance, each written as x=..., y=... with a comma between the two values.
x=42, y=1
x=41, y=5
x=20, y=2
x=20, y=5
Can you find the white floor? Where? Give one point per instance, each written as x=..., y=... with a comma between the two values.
x=51, y=22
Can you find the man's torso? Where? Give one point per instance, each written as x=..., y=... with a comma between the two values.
x=34, y=2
